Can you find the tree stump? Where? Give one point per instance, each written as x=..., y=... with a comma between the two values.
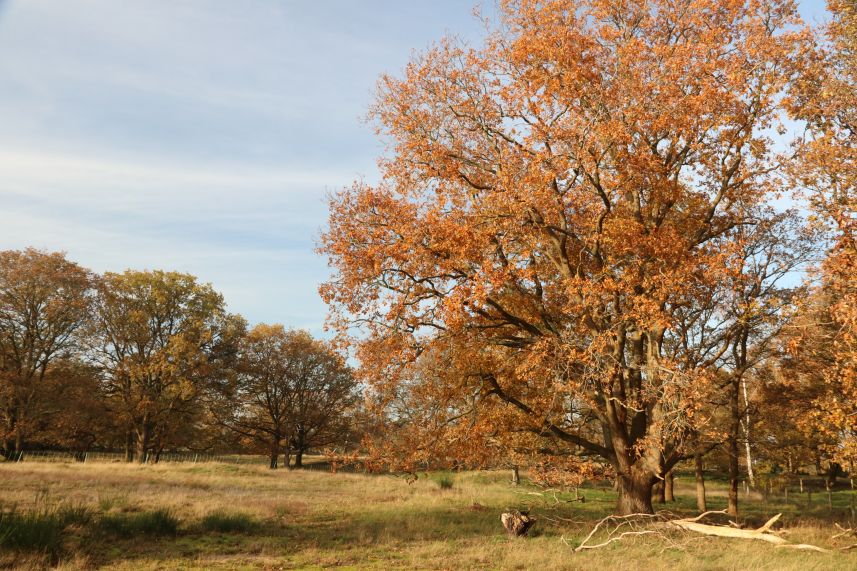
x=517, y=523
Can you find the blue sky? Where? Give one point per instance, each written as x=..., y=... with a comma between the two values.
x=200, y=135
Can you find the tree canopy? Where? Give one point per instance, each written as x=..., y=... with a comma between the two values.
x=552, y=204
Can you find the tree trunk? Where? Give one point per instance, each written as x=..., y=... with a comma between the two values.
x=635, y=496
x=750, y=474
x=275, y=452
x=142, y=443
x=19, y=439
x=659, y=492
x=732, y=508
x=517, y=523
x=832, y=473
x=732, y=448
x=700, y=484
x=516, y=476
x=668, y=487
x=287, y=461
x=300, y=445
x=129, y=445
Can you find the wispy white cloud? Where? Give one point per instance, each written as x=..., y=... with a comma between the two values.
x=199, y=135
x=49, y=170
x=249, y=231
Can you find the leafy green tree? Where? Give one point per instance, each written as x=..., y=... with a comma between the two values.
x=162, y=340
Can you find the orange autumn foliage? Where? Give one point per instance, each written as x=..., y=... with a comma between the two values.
x=551, y=204
x=827, y=170
x=44, y=302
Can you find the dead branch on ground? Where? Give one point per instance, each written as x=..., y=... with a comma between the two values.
x=666, y=526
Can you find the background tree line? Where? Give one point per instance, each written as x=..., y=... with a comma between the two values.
x=151, y=361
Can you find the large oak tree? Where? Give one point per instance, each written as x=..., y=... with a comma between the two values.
x=552, y=203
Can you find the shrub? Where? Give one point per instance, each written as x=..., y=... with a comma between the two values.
x=159, y=522
x=228, y=522
x=445, y=483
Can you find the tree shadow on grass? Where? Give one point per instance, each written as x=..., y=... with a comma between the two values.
x=371, y=529
x=387, y=529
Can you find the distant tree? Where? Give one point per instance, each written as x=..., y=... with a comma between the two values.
x=290, y=390
x=745, y=330
x=162, y=340
x=260, y=398
x=787, y=405
x=44, y=302
x=325, y=395
x=73, y=410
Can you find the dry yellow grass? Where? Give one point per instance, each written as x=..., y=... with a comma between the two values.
x=309, y=520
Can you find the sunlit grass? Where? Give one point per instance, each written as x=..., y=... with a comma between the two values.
x=246, y=517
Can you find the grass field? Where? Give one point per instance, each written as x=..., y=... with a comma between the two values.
x=222, y=516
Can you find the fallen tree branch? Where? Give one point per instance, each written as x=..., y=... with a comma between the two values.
x=616, y=528
x=702, y=515
x=769, y=523
x=583, y=546
x=804, y=546
x=843, y=531
x=621, y=519
x=761, y=533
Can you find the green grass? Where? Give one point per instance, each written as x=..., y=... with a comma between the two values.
x=73, y=514
x=41, y=529
x=158, y=522
x=216, y=517
x=444, y=482
x=107, y=501
x=32, y=531
x=221, y=521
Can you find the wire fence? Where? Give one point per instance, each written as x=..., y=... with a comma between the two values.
x=316, y=463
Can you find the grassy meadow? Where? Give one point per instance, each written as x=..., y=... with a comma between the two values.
x=229, y=516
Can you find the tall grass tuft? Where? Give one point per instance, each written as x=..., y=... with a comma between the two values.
x=228, y=522
x=37, y=531
x=73, y=514
x=159, y=522
x=445, y=482
x=107, y=502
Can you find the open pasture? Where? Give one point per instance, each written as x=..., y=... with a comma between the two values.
x=227, y=516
